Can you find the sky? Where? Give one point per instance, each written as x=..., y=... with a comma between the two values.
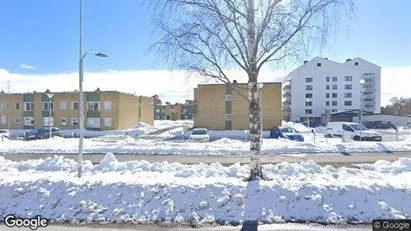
x=39, y=42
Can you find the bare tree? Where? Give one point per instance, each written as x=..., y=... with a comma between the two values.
x=210, y=37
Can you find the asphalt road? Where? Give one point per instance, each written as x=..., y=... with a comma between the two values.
x=129, y=227
x=334, y=159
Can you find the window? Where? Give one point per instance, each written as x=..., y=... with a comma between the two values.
x=335, y=87
x=327, y=103
x=308, y=95
x=107, y=105
x=334, y=110
x=163, y=110
x=74, y=105
x=17, y=106
x=28, y=106
x=308, y=111
x=228, y=117
x=17, y=121
x=348, y=86
x=3, y=106
x=63, y=105
x=334, y=95
x=47, y=106
x=185, y=110
x=3, y=120
x=158, y=110
x=347, y=128
x=28, y=121
x=327, y=95
x=348, y=95
x=93, y=106
x=108, y=122
x=327, y=79
x=335, y=103
x=48, y=121
x=228, y=98
x=348, y=78
x=356, y=63
x=347, y=103
x=318, y=64
x=335, y=79
x=63, y=121
x=308, y=103
x=93, y=122
x=308, y=87
x=74, y=121
x=327, y=87
x=309, y=80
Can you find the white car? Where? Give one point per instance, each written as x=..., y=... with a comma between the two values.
x=357, y=132
x=200, y=135
x=4, y=133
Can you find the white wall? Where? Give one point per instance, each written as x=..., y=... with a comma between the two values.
x=367, y=67
x=319, y=74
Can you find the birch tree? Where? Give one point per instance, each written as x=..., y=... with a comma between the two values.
x=210, y=37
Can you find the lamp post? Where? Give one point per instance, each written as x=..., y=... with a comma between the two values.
x=81, y=105
x=260, y=87
x=50, y=95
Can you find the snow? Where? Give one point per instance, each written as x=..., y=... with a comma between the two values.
x=140, y=191
x=160, y=124
x=224, y=146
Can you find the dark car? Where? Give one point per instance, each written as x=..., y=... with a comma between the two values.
x=286, y=133
x=42, y=133
x=379, y=125
x=313, y=124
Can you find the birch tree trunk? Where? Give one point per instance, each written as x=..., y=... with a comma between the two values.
x=253, y=96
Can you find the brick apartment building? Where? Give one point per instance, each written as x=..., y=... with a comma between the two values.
x=103, y=110
x=219, y=107
x=177, y=111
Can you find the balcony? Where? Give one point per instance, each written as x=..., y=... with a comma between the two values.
x=287, y=95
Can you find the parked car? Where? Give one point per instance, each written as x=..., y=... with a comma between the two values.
x=379, y=125
x=42, y=133
x=4, y=133
x=199, y=134
x=286, y=132
x=313, y=124
x=358, y=132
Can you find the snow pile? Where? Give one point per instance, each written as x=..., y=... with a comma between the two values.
x=402, y=165
x=161, y=124
x=130, y=145
x=140, y=191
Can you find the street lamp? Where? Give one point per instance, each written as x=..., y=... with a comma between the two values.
x=81, y=106
x=50, y=95
x=260, y=87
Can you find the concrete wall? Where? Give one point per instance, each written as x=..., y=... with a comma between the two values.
x=129, y=110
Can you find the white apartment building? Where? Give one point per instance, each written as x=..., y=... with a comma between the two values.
x=321, y=85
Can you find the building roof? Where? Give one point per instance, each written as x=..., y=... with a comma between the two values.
x=350, y=113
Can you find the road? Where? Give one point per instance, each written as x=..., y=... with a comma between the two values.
x=130, y=227
x=334, y=159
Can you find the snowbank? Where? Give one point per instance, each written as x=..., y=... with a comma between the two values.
x=140, y=191
x=129, y=145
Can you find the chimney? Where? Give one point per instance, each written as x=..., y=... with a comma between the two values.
x=326, y=58
x=347, y=60
x=234, y=81
x=305, y=62
x=98, y=89
x=34, y=92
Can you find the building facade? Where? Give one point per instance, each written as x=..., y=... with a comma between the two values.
x=220, y=107
x=322, y=86
x=103, y=110
x=175, y=111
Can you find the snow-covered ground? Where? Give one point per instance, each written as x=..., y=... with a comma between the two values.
x=160, y=124
x=140, y=191
x=224, y=146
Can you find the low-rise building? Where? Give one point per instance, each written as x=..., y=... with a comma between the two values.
x=103, y=110
x=220, y=107
x=175, y=111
